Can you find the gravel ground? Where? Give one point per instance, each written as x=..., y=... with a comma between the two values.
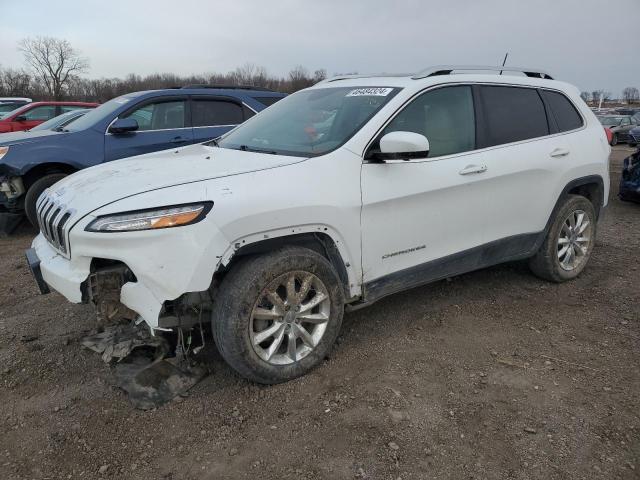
x=491, y=375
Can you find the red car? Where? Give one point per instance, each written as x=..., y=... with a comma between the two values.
x=28, y=116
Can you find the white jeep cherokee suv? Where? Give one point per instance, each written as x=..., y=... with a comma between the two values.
x=340, y=194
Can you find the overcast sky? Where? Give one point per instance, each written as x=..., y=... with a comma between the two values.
x=590, y=43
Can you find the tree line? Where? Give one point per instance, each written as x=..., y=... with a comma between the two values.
x=53, y=70
x=630, y=95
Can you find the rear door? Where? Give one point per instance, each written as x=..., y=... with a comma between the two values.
x=524, y=159
x=214, y=116
x=163, y=123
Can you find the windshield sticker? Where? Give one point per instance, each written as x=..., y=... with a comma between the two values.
x=371, y=92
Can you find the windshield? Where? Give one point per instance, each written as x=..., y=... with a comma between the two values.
x=98, y=113
x=59, y=121
x=610, y=121
x=8, y=107
x=11, y=112
x=310, y=122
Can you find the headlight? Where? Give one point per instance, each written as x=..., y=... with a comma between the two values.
x=3, y=151
x=152, y=219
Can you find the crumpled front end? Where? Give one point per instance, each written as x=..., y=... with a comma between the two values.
x=141, y=270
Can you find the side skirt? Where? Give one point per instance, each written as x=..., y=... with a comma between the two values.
x=507, y=249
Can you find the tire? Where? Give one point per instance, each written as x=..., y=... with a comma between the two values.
x=34, y=191
x=550, y=261
x=614, y=140
x=244, y=314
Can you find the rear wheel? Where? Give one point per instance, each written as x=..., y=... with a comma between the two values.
x=34, y=191
x=614, y=139
x=276, y=316
x=569, y=242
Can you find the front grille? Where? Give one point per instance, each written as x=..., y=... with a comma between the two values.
x=52, y=219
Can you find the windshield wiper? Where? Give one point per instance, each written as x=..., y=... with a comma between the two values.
x=213, y=142
x=246, y=148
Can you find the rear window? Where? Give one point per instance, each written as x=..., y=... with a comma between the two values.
x=267, y=101
x=206, y=113
x=564, y=113
x=512, y=114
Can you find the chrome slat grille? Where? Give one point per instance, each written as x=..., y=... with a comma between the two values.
x=52, y=218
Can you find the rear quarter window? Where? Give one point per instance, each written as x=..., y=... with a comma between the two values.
x=512, y=114
x=564, y=113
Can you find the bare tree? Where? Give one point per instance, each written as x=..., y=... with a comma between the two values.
x=15, y=83
x=319, y=75
x=54, y=61
x=631, y=95
x=586, y=96
x=299, y=78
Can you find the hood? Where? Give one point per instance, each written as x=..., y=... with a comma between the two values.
x=94, y=187
x=18, y=138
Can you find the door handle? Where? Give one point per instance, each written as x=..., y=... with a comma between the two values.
x=470, y=169
x=559, y=152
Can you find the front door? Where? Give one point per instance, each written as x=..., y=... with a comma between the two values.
x=423, y=210
x=162, y=124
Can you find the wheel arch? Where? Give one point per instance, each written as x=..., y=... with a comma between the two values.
x=590, y=187
x=319, y=238
x=43, y=169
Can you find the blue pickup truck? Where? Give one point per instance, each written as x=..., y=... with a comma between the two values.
x=125, y=126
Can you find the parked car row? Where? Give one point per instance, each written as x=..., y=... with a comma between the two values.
x=30, y=115
x=126, y=126
x=333, y=198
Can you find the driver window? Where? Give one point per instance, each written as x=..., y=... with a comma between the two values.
x=445, y=116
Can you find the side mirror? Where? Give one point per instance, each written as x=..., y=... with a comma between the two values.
x=20, y=118
x=123, y=125
x=403, y=146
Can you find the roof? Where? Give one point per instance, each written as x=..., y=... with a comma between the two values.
x=448, y=74
x=83, y=104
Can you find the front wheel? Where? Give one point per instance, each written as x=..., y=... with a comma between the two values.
x=569, y=241
x=34, y=191
x=276, y=316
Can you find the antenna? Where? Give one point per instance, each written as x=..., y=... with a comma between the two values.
x=504, y=62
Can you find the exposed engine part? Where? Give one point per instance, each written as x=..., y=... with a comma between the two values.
x=12, y=187
x=104, y=292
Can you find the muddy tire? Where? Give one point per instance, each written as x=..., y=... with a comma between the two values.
x=569, y=241
x=34, y=191
x=276, y=316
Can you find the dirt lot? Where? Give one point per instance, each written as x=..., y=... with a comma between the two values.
x=492, y=375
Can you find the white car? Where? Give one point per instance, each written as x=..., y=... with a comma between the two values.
x=334, y=197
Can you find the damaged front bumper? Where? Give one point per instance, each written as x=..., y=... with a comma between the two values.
x=142, y=271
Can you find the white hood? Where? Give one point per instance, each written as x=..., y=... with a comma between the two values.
x=89, y=189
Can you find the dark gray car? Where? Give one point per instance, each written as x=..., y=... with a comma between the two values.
x=620, y=125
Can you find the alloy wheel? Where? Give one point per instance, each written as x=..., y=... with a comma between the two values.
x=574, y=240
x=289, y=318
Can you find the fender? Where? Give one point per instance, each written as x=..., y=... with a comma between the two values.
x=348, y=270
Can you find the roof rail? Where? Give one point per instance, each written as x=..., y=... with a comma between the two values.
x=230, y=87
x=448, y=69
x=355, y=75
